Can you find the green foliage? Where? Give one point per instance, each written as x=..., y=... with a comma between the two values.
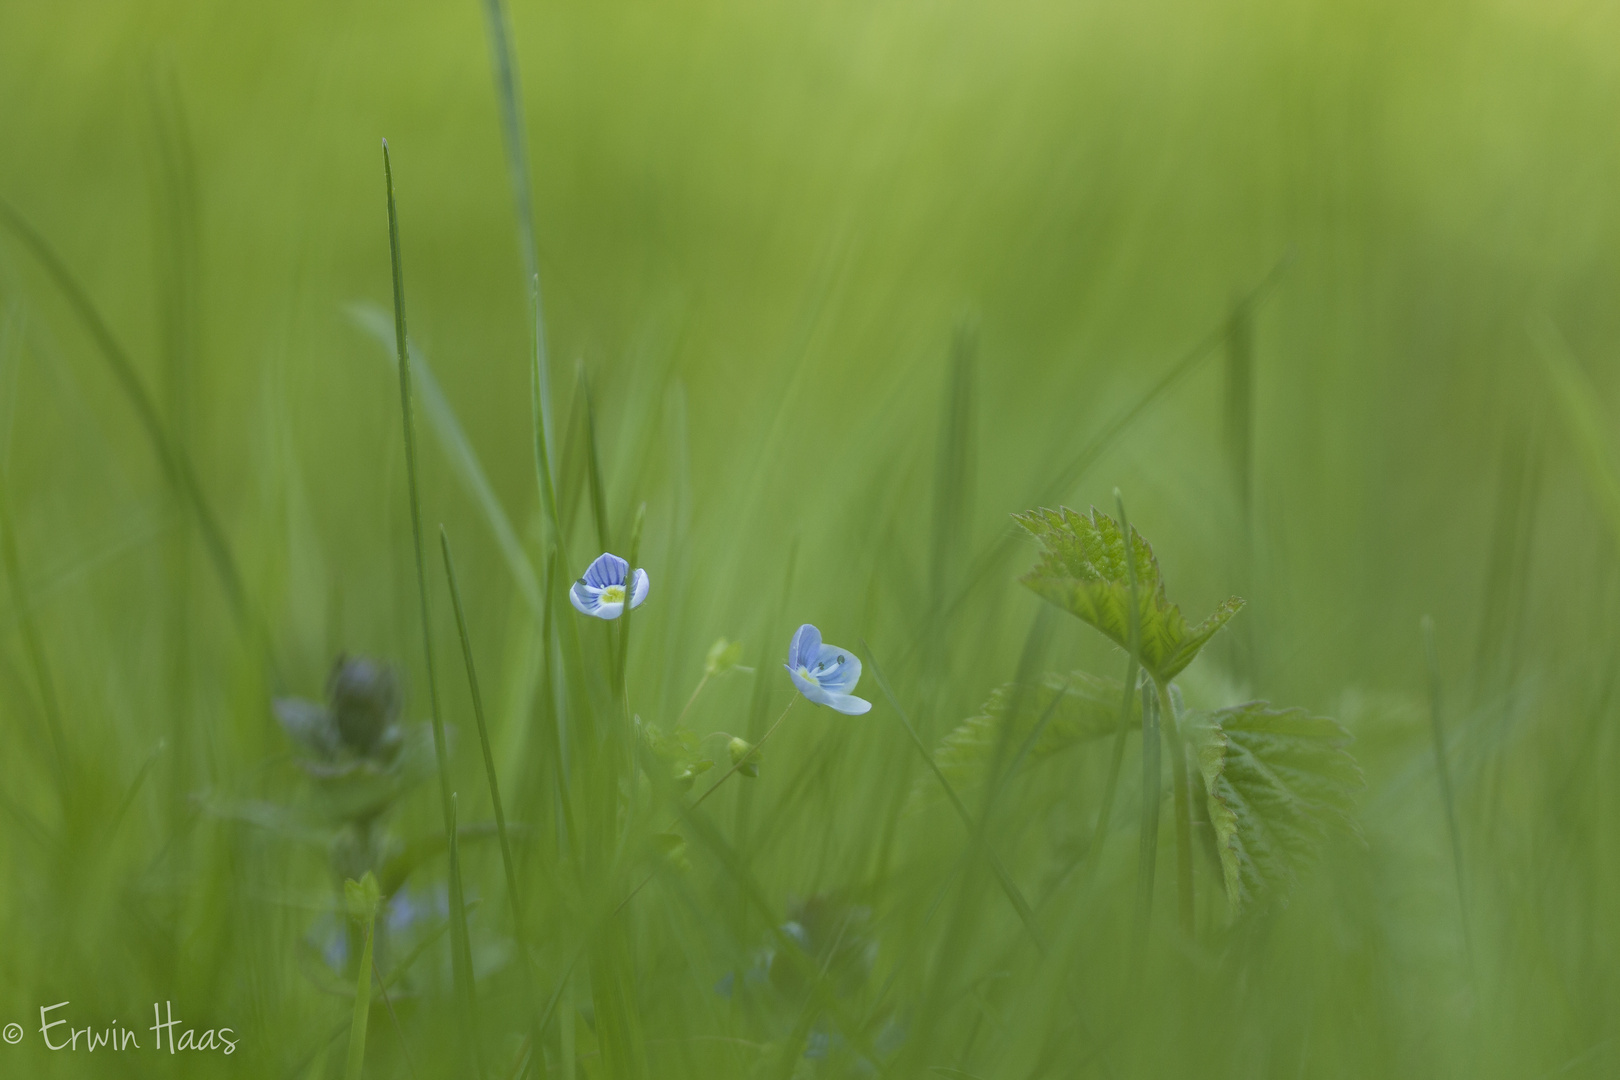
x=1084, y=570
x=722, y=656
x=1069, y=710
x=1279, y=782
x=679, y=750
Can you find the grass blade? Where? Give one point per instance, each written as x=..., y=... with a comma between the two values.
x=1148, y=847
x=458, y=451
x=1443, y=773
x=34, y=643
x=1063, y=481
x=507, y=864
x=1008, y=886
x=458, y=910
x=510, y=96
x=360, y=896
x=177, y=468
x=593, y=461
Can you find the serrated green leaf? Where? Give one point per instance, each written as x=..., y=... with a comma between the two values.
x=1083, y=707
x=1279, y=782
x=1083, y=570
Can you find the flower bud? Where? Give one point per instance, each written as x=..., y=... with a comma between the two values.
x=364, y=698
x=740, y=749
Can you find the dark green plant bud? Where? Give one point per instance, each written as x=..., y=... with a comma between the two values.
x=364, y=697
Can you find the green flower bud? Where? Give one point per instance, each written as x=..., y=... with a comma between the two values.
x=740, y=749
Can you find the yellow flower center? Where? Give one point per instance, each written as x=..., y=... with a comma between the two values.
x=613, y=594
x=804, y=673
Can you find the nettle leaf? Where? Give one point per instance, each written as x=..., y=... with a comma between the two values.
x=1082, y=707
x=1083, y=570
x=1279, y=782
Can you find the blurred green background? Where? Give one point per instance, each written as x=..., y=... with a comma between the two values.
x=1378, y=242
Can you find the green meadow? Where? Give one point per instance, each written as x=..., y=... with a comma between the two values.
x=316, y=763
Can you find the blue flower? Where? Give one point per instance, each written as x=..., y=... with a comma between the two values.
x=601, y=591
x=825, y=673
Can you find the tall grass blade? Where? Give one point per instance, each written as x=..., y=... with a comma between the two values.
x=593, y=463
x=458, y=911
x=362, y=905
x=1239, y=418
x=1576, y=399
x=1448, y=798
x=177, y=271
x=462, y=944
x=508, y=867
x=953, y=471
x=510, y=96
x=1148, y=845
x=34, y=644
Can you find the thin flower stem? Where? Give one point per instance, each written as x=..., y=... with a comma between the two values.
x=711, y=790
x=689, y=701
x=752, y=750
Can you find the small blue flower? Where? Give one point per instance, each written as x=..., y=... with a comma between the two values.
x=601, y=591
x=825, y=673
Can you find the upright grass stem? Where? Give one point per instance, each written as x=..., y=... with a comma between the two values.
x=508, y=867
x=34, y=642
x=362, y=1001
x=509, y=94
x=1448, y=799
x=1183, y=807
x=458, y=911
x=1148, y=848
x=1014, y=895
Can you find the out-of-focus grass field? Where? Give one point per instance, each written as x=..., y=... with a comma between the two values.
x=850, y=283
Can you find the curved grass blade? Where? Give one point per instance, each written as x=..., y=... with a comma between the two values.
x=1008, y=886
x=177, y=467
x=34, y=642
x=459, y=451
x=1064, y=480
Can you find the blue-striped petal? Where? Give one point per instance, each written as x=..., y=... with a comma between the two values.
x=607, y=569
x=803, y=648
